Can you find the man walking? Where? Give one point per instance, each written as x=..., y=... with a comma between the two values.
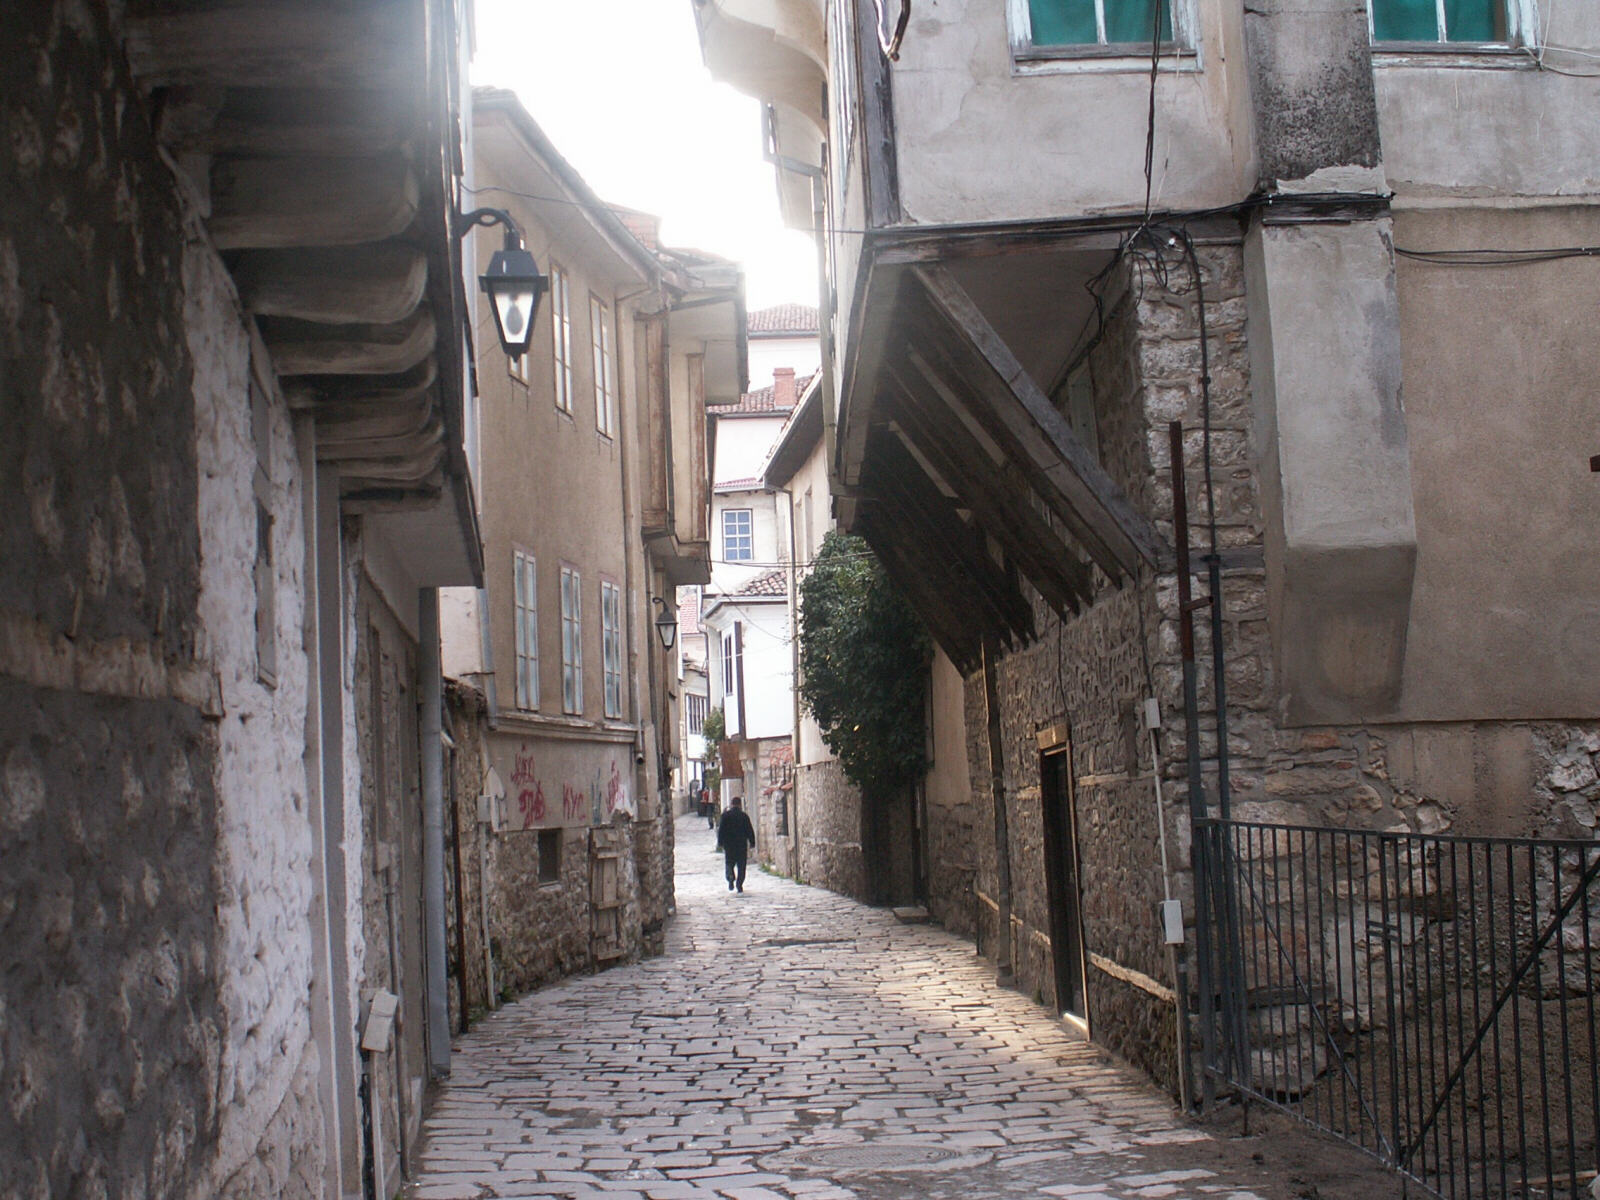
x=736, y=837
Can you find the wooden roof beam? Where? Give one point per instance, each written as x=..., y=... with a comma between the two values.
x=276, y=44
x=304, y=348
x=339, y=285
x=951, y=629
x=1002, y=507
x=936, y=369
x=1027, y=412
x=282, y=203
x=942, y=544
x=284, y=122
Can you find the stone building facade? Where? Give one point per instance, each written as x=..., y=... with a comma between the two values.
x=1021, y=317
x=212, y=633
x=589, y=456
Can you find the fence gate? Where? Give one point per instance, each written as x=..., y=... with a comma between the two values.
x=1430, y=999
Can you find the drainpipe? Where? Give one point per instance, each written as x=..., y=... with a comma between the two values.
x=1004, y=972
x=438, y=1005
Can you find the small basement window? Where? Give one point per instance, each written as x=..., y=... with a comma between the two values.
x=549, y=856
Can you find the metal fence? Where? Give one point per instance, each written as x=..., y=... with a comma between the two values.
x=1430, y=999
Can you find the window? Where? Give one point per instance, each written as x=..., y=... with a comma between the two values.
x=526, y=618
x=605, y=370
x=738, y=544
x=611, y=645
x=518, y=367
x=549, y=856
x=1047, y=24
x=571, y=641
x=695, y=714
x=727, y=664
x=1441, y=20
x=561, y=331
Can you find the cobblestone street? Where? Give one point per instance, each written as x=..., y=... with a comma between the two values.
x=793, y=1043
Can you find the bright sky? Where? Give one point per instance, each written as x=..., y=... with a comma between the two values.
x=620, y=88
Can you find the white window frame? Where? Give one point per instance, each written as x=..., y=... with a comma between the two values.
x=611, y=645
x=749, y=534
x=571, y=640
x=728, y=682
x=1184, y=44
x=1522, y=26
x=605, y=369
x=561, y=336
x=525, y=615
x=695, y=710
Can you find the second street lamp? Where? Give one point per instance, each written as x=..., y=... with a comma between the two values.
x=666, y=624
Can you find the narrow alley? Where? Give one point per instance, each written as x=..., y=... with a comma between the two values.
x=792, y=1042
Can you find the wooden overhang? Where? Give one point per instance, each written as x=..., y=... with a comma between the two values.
x=321, y=145
x=961, y=473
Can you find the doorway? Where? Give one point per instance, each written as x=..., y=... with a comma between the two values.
x=1062, y=880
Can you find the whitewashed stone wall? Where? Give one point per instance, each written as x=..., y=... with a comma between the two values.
x=266, y=1058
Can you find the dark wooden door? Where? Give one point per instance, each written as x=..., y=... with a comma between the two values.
x=1061, y=878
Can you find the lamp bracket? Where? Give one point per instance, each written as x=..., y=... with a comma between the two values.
x=461, y=223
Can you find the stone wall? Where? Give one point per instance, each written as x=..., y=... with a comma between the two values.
x=467, y=713
x=1090, y=674
x=152, y=788
x=391, y=889
x=828, y=807
x=542, y=932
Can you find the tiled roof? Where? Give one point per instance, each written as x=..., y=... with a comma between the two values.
x=762, y=400
x=689, y=610
x=783, y=318
x=752, y=484
x=769, y=583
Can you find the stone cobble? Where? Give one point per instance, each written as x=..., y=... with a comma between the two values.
x=793, y=1043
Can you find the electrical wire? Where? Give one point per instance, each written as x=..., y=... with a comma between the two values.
x=1489, y=257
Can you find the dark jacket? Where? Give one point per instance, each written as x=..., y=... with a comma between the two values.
x=735, y=834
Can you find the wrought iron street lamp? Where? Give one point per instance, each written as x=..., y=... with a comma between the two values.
x=512, y=282
x=666, y=624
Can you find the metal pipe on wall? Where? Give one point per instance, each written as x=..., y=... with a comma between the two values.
x=435, y=970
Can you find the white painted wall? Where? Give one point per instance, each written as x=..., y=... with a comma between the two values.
x=768, y=673
x=743, y=443
x=804, y=354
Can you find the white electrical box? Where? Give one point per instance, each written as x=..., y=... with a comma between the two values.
x=492, y=812
x=1152, y=713
x=1172, y=921
x=379, y=1028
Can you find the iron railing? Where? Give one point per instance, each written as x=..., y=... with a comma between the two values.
x=1430, y=999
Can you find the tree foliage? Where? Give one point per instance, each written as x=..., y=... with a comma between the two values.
x=863, y=660
x=715, y=731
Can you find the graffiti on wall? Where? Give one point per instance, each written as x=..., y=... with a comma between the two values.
x=594, y=800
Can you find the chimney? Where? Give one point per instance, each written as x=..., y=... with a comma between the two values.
x=782, y=387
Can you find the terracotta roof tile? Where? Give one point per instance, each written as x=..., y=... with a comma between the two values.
x=783, y=319
x=769, y=583
x=762, y=400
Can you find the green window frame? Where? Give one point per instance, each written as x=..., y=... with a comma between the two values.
x=1076, y=25
x=1449, y=22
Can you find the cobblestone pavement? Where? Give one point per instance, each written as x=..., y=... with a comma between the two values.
x=792, y=1043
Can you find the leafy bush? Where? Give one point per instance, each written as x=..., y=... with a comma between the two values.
x=863, y=666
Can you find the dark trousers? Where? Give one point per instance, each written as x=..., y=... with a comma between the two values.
x=733, y=867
